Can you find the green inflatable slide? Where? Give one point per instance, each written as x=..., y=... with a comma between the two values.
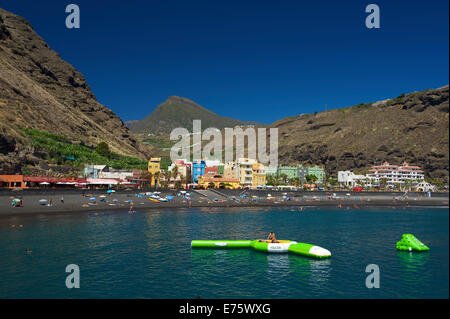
x=409, y=243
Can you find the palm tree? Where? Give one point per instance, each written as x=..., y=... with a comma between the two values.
x=284, y=178
x=164, y=175
x=383, y=183
x=272, y=180
x=156, y=179
x=295, y=181
x=310, y=178
x=175, y=172
x=145, y=176
x=188, y=175
x=407, y=184
x=164, y=178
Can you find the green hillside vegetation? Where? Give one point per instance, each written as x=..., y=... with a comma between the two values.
x=159, y=142
x=60, y=150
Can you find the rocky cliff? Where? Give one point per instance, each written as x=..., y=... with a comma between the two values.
x=40, y=90
x=412, y=127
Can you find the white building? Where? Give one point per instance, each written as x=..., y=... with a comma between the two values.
x=213, y=163
x=348, y=178
x=115, y=175
x=396, y=174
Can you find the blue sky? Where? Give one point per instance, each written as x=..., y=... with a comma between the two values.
x=249, y=60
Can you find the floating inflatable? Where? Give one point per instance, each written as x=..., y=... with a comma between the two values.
x=221, y=243
x=409, y=243
x=283, y=246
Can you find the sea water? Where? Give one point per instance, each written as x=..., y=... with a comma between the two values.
x=147, y=254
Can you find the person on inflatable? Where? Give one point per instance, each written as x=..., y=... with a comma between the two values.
x=272, y=238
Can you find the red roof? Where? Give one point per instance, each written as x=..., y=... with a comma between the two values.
x=41, y=179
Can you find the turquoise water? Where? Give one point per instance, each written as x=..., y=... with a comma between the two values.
x=148, y=254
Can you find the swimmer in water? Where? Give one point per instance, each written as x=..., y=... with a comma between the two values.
x=28, y=251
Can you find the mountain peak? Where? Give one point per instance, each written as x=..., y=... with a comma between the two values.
x=179, y=99
x=180, y=112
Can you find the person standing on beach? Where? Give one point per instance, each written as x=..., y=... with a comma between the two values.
x=62, y=199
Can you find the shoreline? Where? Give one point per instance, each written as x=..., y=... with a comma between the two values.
x=78, y=202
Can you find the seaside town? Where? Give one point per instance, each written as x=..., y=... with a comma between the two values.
x=225, y=155
x=245, y=173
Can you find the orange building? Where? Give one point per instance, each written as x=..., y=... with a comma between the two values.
x=12, y=181
x=258, y=175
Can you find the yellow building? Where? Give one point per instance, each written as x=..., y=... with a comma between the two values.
x=154, y=168
x=217, y=181
x=258, y=175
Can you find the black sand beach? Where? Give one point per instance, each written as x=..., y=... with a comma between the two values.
x=79, y=200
